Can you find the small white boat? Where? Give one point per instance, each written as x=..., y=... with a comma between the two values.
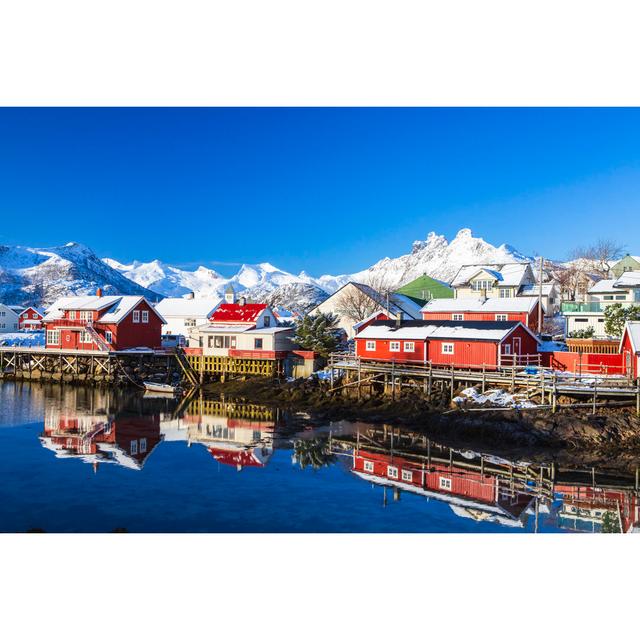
x=157, y=387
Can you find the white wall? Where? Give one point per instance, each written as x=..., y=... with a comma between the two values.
x=8, y=319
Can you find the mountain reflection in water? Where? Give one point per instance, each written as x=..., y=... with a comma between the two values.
x=295, y=475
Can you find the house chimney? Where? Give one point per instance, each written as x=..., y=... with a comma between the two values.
x=242, y=301
x=99, y=292
x=229, y=295
x=398, y=319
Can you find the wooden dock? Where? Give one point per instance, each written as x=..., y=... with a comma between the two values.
x=549, y=385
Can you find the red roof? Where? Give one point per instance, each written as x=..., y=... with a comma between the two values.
x=242, y=458
x=235, y=313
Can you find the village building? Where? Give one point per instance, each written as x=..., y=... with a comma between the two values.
x=103, y=323
x=9, y=317
x=425, y=288
x=630, y=349
x=520, y=309
x=492, y=280
x=355, y=303
x=181, y=315
x=462, y=344
x=590, y=315
x=30, y=319
x=550, y=296
x=628, y=263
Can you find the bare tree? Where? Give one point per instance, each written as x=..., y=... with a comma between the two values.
x=598, y=257
x=360, y=300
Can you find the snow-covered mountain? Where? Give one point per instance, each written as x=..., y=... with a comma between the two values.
x=40, y=276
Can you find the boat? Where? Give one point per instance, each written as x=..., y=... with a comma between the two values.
x=157, y=387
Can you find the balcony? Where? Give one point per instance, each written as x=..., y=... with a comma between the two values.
x=63, y=322
x=593, y=307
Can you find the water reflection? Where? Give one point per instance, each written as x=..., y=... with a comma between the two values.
x=412, y=477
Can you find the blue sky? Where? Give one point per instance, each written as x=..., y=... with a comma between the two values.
x=325, y=190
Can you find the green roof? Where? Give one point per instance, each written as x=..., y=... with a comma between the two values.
x=425, y=288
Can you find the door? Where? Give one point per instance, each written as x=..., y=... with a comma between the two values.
x=517, y=350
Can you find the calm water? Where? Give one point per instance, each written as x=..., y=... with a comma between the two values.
x=79, y=459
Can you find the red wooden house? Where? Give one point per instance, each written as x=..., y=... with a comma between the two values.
x=630, y=349
x=30, y=319
x=465, y=344
x=470, y=492
x=103, y=323
x=516, y=309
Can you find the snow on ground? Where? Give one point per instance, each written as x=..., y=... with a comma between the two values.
x=492, y=398
x=22, y=339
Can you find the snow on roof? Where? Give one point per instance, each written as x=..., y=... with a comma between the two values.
x=632, y=328
x=628, y=279
x=439, y=330
x=187, y=307
x=603, y=286
x=532, y=289
x=237, y=313
x=489, y=305
x=509, y=275
x=118, y=307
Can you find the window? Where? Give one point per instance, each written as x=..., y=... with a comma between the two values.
x=85, y=315
x=108, y=336
x=85, y=338
x=53, y=337
x=136, y=316
x=505, y=293
x=72, y=315
x=267, y=321
x=482, y=285
x=501, y=317
x=257, y=343
x=409, y=347
x=445, y=483
x=368, y=466
x=224, y=342
x=189, y=322
x=407, y=476
x=394, y=346
x=607, y=297
x=145, y=316
x=134, y=447
x=392, y=472
x=143, y=445
x=457, y=316
x=621, y=297
x=447, y=347
x=600, y=319
x=370, y=345
x=581, y=320
x=506, y=349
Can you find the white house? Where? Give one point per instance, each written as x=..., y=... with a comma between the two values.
x=492, y=280
x=9, y=317
x=183, y=314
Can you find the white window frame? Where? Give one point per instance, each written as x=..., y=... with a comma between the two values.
x=85, y=337
x=457, y=316
x=72, y=315
x=145, y=316
x=368, y=466
x=394, y=345
x=407, y=475
x=506, y=349
x=502, y=317
x=370, y=345
x=392, y=472
x=142, y=447
x=136, y=316
x=448, y=348
x=505, y=293
x=445, y=484
x=53, y=333
x=133, y=447
x=410, y=347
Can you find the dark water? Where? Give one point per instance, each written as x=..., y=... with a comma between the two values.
x=80, y=459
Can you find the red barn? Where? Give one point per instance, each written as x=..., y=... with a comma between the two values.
x=630, y=349
x=467, y=344
x=30, y=318
x=103, y=323
x=523, y=310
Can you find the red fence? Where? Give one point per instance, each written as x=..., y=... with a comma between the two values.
x=605, y=363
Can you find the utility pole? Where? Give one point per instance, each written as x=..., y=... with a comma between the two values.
x=540, y=296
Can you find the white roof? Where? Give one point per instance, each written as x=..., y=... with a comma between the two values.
x=508, y=275
x=532, y=289
x=633, y=329
x=435, y=332
x=187, y=307
x=604, y=286
x=118, y=307
x=489, y=305
x=629, y=279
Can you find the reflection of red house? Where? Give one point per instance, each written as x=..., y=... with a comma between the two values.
x=104, y=323
x=584, y=507
x=30, y=318
x=470, y=493
x=446, y=342
x=126, y=441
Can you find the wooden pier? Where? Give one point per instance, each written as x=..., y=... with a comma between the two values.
x=548, y=385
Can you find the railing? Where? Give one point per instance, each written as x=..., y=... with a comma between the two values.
x=68, y=323
x=593, y=307
x=257, y=354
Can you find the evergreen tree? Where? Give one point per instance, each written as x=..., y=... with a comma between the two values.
x=615, y=316
x=318, y=332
